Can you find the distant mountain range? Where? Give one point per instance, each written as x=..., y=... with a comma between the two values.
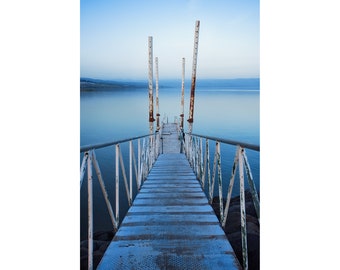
x=247, y=84
x=88, y=84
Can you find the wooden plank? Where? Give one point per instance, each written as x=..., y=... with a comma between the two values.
x=150, y=218
x=170, y=201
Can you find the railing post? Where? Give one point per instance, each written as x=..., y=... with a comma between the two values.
x=231, y=185
x=130, y=168
x=134, y=163
x=150, y=152
x=158, y=135
x=192, y=147
x=252, y=186
x=201, y=159
x=139, y=166
x=117, y=183
x=144, y=160
x=102, y=185
x=83, y=167
x=243, y=213
x=192, y=153
x=206, y=163
x=211, y=189
x=90, y=211
x=208, y=166
x=127, y=189
x=186, y=145
x=219, y=175
x=197, y=157
x=154, y=146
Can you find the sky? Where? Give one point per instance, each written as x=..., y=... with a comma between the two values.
x=114, y=37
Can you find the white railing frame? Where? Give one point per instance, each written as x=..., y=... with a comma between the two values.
x=145, y=160
x=193, y=149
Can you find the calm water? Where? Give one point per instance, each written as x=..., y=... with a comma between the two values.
x=112, y=115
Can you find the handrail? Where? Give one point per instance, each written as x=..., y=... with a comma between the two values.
x=198, y=155
x=102, y=145
x=227, y=141
x=146, y=156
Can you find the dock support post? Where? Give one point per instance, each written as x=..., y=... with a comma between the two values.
x=157, y=100
x=151, y=119
x=182, y=97
x=193, y=77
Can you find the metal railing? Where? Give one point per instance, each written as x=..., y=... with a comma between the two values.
x=198, y=154
x=147, y=154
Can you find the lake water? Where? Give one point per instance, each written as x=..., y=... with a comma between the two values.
x=112, y=115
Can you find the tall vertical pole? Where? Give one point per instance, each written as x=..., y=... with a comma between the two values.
x=151, y=119
x=193, y=77
x=90, y=211
x=157, y=100
x=182, y=98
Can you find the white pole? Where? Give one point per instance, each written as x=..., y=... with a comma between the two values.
x=151, y=119
x=157, y=90
x=182, y=97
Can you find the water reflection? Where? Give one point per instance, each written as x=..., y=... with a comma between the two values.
x=113, y=115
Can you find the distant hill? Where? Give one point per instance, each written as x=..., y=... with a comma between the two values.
x=248, y=84
x=88, y=84
x=235, y=84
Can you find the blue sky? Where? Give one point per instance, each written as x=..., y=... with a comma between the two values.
x=114, y=36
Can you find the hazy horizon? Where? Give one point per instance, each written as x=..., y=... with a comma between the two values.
x=166, y=79
x=114, y=38
x=91, y=84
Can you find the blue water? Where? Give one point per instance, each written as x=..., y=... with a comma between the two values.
x=220, y=111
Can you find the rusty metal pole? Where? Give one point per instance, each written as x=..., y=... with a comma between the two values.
x=182, y=98
x=157, y=100
x=151, y=119
x=193, y=77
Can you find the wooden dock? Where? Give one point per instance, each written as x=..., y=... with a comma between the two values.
x=170, y=224
x=170, y=138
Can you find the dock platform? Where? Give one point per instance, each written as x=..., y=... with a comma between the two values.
x=170, y=224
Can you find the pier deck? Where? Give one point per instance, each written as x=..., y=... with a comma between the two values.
x=170, y=138
x=170, y=224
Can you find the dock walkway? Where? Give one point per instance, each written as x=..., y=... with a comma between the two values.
x=170, y=138
x=170, y=224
